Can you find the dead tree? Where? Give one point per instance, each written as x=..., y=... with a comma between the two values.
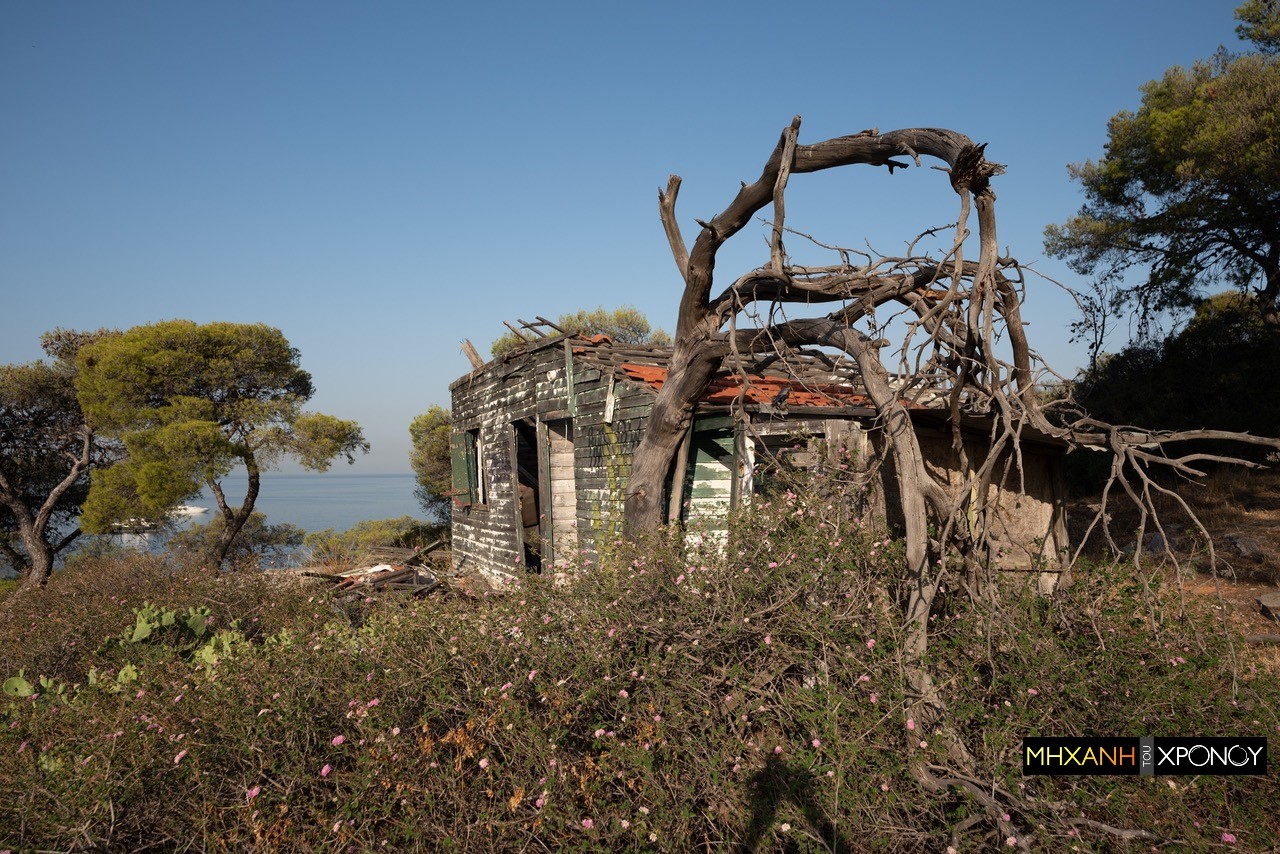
x=964, y=330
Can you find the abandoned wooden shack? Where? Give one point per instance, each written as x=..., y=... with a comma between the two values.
x=543, y=437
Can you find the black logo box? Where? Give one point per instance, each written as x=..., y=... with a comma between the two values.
x=1145, y=756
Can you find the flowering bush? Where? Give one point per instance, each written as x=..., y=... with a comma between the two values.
x=677, y=694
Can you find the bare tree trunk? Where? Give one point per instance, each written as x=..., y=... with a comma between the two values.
x=234, y=518
x=970, y=315
x=917, y=491
x=669, y=422
x=40, y=556
x=33, y=525
x=697, y=326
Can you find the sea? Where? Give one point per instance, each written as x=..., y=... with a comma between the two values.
x=314, y=502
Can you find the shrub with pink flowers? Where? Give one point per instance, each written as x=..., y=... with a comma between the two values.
x=620, y=711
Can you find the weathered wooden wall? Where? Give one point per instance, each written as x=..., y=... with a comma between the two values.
x=532, y=385
x=609, y=420
x=562, y=489
x=588, y=424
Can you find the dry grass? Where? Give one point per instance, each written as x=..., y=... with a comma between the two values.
x=1228, y=502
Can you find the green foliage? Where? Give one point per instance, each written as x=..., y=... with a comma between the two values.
x=1188, y=190
x=331, y=547
x=42, y=430
x=625, y=325
x=258, y=543
x=1260, y=24
x=430, y=459
x=316, y=440
x=678, y=698
x=152, y=619
x=17, y=686
x=190, y=403
x=188, y=634
x=1214, y=373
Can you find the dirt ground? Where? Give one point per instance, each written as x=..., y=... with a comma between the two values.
x=1241, y=512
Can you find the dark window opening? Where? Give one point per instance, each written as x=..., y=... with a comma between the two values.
x=529, y=494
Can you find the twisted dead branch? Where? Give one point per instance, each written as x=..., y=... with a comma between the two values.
x=962, y=315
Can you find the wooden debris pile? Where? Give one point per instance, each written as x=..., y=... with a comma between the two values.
x=416, y=572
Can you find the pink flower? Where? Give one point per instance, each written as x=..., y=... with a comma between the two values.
x=611, y=631
x=1032, y=691
x=884, y=787
x=178, y=758
x=875, y=697
x=1006, y=817
x=338, y=739
x=911, y=723
x=871, y=644
x=254, y=792
x=588, y=823
x=680, y=579
x=532, y=673
x=816, y=743
x=625, y=824
x=1012, y=842
x=1229, y=838
x=326, y=770
x=623, y=694
x=484, y=763
x=777, y=750
x=773, y=564
x=599, y=733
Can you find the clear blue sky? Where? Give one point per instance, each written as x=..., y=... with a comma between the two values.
x=381, y=180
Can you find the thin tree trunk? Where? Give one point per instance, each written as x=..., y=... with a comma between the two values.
x=234, y=519
x=40, y=554
x=33, y=527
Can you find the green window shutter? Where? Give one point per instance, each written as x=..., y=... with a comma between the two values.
x=463, y=468
x=473, y=484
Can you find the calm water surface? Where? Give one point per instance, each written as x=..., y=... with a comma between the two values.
x=313, y=502
x=318, y=501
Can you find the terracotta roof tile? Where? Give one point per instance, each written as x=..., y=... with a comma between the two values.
x=758, y=389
